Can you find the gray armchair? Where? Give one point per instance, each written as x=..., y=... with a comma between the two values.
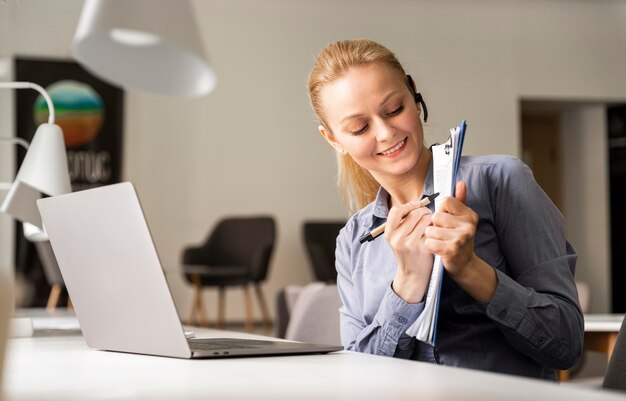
x=314, y=317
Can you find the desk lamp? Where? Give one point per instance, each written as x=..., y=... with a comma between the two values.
x=150, y=45
x=43, y=171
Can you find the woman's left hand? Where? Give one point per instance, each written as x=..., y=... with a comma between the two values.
x=452, y=237
x=452, y=234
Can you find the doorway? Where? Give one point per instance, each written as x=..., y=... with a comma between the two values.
x=541, y=151
x=565, y=144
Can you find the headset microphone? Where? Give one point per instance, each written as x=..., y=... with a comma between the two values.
x=418, y=97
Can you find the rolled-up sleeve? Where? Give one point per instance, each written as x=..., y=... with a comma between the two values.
x=535, y=303
x=382, y=334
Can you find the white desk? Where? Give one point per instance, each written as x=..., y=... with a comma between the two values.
x=601, y=332
x=58, y=366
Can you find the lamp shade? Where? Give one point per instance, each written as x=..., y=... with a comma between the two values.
x=150, y=45
x=43, y=171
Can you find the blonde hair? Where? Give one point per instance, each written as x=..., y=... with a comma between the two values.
x=357, y=186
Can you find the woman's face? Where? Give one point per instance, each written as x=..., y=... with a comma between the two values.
x=373, y=117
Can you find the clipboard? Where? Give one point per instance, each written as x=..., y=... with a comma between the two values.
x=446, y=160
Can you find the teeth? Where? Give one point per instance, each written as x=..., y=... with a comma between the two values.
x=390, y=151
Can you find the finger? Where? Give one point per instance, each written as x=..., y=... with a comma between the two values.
x=423, y=224
x=441, y=248
x=398, y=213
x=435, y=246
x=411, y=221
x=453, y=206
x=444, y=219
x=454, y=239
x=438, y=233
x=453, y=235
x=423, y=221
x=460, y=192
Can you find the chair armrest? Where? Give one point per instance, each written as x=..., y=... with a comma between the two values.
x=194, y=256
x=323, y=269
x=261, y=261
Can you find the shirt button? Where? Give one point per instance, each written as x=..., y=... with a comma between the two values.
x=402, y=320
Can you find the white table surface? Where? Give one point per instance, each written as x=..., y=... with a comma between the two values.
x=603, y=322
x=57, y=365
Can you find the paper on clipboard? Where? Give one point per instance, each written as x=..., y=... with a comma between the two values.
x=446, y=160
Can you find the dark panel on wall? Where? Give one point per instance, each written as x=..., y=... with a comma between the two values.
x=90, y=113
x=617, y=171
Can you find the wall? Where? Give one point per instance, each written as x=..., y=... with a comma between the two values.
x=6, y=128
x=252, y=146
x=586, y=200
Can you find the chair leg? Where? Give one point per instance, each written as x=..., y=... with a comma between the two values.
x=193, y=313
x=267, y=321
x=221, y=307
x=53, y=299
x=198, y=314
x=248, y=306
x=204, y=320
x=194, y=305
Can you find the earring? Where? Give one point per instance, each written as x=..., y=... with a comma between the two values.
x=341, y=150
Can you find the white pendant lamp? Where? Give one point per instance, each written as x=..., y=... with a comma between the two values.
x=149, y=45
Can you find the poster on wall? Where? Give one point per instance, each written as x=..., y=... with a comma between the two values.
x=90, y=113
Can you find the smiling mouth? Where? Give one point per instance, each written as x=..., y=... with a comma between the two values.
x=393, y=149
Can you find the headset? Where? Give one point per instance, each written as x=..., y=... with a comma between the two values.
x=417, y=96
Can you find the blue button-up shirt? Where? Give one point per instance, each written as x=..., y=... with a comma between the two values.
x=532, y=326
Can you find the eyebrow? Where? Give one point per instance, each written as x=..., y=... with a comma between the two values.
x=360, y=115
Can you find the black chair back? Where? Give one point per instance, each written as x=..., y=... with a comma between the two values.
x=320, y=238
x=242, y=241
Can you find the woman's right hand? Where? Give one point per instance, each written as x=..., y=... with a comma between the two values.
x=404, y=232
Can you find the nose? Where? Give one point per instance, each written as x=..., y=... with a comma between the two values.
x=384, y=131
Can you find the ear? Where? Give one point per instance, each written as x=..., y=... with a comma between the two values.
x=330, y=138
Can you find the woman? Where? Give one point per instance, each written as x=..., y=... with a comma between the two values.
x=508, y=301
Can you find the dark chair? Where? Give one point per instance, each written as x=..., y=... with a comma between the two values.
x=615, y=377
x=237, y=253
x=320, y=238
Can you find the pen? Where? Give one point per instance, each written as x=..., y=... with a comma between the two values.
x=381, y=228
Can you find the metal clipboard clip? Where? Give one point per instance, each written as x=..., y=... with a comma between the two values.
x=448, y=144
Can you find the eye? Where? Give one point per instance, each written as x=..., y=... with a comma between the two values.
x=396, y=111
x=361, y=131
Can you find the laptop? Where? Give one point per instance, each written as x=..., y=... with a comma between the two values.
x=113, y=275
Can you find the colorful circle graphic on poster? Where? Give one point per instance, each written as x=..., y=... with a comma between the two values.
x=78, y=108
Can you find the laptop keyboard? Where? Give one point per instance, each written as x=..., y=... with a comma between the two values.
x=210, y=344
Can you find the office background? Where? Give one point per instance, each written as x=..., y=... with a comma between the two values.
x=252, y=145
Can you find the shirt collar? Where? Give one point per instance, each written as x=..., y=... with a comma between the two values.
x=381, y=204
